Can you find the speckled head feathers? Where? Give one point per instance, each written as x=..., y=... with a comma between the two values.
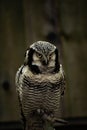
x=43, y=47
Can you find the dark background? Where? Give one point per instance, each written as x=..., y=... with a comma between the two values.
x=62, y=22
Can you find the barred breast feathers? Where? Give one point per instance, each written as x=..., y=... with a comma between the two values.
x=51, y=78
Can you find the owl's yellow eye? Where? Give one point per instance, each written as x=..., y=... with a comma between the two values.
x=39, y=55
x=50, y=55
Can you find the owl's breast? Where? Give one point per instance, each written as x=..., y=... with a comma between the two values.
x=40, y=95
x=41, y=91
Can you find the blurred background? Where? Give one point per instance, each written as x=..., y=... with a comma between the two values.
x=62, y=22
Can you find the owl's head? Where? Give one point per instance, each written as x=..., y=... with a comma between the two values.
x=42, y=57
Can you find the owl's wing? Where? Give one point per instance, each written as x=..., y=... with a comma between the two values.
x=63, y=80
x=18, y=74
x=63, y=86
x=18, y=81
x=19, y=90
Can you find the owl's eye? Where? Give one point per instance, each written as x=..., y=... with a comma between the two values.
x=39, y=55
x=50, y=55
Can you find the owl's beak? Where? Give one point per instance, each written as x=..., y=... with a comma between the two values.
x=45, y=61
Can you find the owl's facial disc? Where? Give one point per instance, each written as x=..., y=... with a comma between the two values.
x=43, y=62
x=36, y=59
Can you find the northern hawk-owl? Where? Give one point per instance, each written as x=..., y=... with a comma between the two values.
x=40, y=84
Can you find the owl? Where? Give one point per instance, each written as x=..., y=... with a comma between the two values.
x=40, y=84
